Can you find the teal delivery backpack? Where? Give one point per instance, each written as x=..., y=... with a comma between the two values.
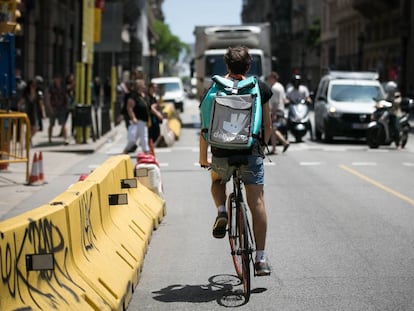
x=231, y=113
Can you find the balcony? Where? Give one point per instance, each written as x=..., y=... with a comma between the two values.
x=371, y=8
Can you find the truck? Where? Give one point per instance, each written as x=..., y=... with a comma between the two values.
x=211, y=43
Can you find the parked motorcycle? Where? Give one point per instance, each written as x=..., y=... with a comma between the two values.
x=298, y=119
x=380, y=130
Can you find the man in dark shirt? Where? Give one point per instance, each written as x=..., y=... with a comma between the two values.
x=238, y=62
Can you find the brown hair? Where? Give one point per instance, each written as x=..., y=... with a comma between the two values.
x=238, y=59
x=273, y=75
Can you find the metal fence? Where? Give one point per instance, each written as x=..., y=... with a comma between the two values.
x=14, y=139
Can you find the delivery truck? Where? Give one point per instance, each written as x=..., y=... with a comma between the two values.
x=211, y=43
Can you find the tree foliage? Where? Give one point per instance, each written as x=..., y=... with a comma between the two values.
x=168, y=46
x=313, y=39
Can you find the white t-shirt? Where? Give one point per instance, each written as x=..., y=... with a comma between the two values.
x=277, y=101
x=298, y=94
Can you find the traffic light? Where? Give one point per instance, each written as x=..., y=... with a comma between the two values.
x=9, y=15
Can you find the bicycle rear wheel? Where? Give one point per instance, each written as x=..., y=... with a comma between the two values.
x=233, y=235
x=239, y=243
x=245, y=248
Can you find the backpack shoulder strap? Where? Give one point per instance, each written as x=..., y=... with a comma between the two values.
x=248, y=82
x=223, y=82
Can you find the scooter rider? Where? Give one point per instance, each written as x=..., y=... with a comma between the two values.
x=394, y=97
x=298, y=92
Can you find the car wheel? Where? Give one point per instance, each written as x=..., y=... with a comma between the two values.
x=327, y=135
x=404, y=136
x=373, y=138
x=318, y=134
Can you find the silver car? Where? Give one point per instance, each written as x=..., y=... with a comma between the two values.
x=344, y=103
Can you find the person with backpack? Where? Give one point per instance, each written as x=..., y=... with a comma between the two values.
x=238, y=62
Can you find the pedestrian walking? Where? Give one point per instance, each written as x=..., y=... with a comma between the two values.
x=156, y=117
x=57, y=106
x=137, y=116
x=277, y=104
x=32, y=104
x=70, y=92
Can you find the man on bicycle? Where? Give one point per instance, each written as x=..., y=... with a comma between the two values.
x=238, y=62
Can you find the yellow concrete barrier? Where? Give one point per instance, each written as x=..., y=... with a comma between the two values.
x=175, y=126
x=140, y=198
x=85, y=249
x=104, y=265
x=173, y=119
x=37, y=267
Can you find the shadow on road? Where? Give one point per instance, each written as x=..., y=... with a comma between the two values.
x=225, y=289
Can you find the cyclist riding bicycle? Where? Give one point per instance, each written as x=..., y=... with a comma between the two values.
x=238, y=62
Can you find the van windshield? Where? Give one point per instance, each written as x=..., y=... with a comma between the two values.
x=215, y=65
x=355, y=93
x=170, y=86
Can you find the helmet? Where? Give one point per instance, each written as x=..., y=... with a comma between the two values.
x=296, y=77
x=39, y=79
x=390, y=87
x=296, y=80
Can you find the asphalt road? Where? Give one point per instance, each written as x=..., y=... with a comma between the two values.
x=340, y=233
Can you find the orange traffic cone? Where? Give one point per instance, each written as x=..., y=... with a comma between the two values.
x=41, y=175
x=34, y=175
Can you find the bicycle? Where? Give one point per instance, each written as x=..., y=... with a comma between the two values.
x=239, y=232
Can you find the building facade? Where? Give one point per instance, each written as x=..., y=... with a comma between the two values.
x=369, y=35
x=312, y=37
x=291, y=24
x=51, y=39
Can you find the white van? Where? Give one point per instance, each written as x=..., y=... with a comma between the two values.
x=344, y=103
x=173, y=90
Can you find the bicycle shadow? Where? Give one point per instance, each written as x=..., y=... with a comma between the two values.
x=225, y=289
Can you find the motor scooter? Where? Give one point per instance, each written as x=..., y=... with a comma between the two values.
x=380, y=131
x=298, y=119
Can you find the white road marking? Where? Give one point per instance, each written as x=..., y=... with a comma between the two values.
x=310, y=163
x=408, y=164
x=364, y=164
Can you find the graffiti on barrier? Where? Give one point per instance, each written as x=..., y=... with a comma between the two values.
x=85, y=209
x=39, y=237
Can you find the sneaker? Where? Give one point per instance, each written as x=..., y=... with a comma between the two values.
x=285, y=147
x=262, y=268
x=219, y=228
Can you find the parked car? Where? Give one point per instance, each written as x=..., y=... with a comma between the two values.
x=344, y=103
x=173, y=90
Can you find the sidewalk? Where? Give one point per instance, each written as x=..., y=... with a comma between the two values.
x=58, y=161
x=40, y=140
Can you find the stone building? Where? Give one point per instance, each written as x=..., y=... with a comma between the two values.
x=51, y=40
x=290, y=22
x=354, y=35
x=369, y=35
